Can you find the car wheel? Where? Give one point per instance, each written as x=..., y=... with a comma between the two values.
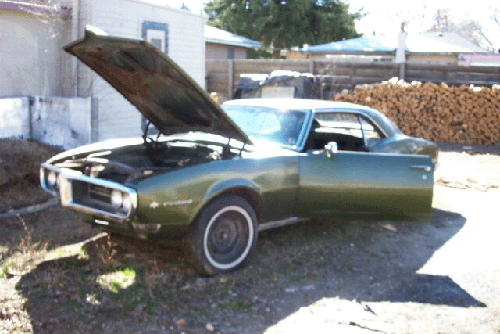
x=223, y=236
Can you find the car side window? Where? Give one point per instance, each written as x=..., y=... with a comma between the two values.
x=370, y=130
x=350, y=130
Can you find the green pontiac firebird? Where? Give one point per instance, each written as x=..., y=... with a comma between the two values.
x=214, y=177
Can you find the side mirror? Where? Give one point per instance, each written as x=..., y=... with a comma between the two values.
x=331, y=148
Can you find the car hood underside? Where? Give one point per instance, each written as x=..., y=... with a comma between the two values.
x=154, y=84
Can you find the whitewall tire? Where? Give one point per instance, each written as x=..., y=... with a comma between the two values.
x=223, y=236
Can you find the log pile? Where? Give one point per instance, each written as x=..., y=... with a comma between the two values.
x=465, y=114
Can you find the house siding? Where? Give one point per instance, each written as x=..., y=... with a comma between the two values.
x=116, y=117
x=435, y=60
x=31, y=53
x=217, y=51
x=85, y=76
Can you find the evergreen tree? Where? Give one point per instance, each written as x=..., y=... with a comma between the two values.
x=284, y=23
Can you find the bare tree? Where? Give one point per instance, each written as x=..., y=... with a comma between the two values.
x=441, y=20
x=469, y=29
x=473, y=31
x=414, y=18
x=495, y=13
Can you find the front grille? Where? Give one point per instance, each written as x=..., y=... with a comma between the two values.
x=93, y=195
x=99, y=193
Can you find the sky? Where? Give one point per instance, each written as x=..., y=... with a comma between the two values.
x=385, y=16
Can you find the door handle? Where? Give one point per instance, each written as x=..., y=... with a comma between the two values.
x=421, y=167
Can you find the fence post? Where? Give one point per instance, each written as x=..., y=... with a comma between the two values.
x=402, y=71
x=446, y=77
x=352, y=75
x=311, y=66
x=230, y=81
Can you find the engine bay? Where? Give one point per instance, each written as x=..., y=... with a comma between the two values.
x=129, y=163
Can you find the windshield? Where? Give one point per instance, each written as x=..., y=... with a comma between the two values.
x=279, y=126
x=390, y=124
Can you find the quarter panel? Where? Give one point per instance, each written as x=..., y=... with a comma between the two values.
x=407, y=145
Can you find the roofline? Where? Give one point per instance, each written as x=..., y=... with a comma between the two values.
x=366, y=53
x=178, y=10
x=439, y=53
x=36, y=9
x=385, y=53
x=223, y=42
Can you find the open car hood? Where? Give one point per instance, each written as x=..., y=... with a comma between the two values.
x=154, y=84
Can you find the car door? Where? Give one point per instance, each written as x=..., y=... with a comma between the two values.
x=365, y=185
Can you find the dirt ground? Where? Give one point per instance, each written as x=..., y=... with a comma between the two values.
x=59, y=276
x=19, y=173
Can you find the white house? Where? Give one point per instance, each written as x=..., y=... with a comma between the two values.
x=31, y=40
x=32, y=36
x=178, y=33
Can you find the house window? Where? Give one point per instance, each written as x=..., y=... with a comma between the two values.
x=157, y=42
x=155, y=33
x=230, y=53
x=157, y=38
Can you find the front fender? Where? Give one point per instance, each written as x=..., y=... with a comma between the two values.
x=226, y=185
x=175, y=199
x=237, y=185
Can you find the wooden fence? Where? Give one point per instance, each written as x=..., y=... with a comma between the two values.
x=222, y=75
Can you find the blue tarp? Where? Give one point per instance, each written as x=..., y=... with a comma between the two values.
x=360, y=44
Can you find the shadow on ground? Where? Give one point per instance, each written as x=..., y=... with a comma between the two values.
x=56, y=226
x=117, y=285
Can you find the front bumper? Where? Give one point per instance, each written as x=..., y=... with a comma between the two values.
x=88, y=195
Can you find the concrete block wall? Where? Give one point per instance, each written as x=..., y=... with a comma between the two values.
x=15, y=118
x=59, y=121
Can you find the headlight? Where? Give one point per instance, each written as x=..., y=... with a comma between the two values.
x=52, y=179
x=127, y=203
x=116, y=198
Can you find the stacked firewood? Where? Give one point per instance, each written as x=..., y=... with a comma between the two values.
x=464, y=114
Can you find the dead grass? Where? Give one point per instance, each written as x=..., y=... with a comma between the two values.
x=24, y=254
x=19, y=172
x=106, y=254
